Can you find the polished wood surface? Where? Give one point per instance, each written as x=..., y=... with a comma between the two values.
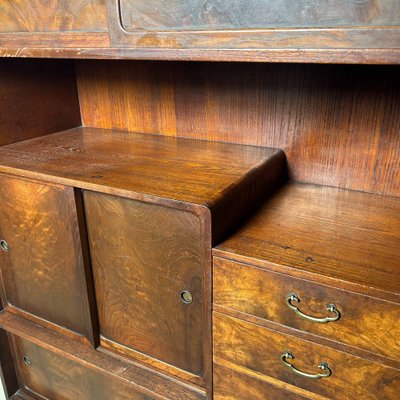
x=364, y=321
x=37, y=97
x=230, y=384
x=259, y=349
x=8, y=377
x=342, y=235
x=156, y=15
x=184, y=170
x=58, y=15
x=143, y=257
x=43, y=271
x=328, y=119
x=46, y=377
x=224, y=179
x=137, y=377
x=262, y=31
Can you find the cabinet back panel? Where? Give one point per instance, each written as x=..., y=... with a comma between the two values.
x=338, y=124
x=37, y=97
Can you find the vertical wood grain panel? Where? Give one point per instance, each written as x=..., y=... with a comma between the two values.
x=37, y=97
x=339, y=125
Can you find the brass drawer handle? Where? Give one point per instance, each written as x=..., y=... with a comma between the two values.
x=330, y=307
x=4, y=245
x=322, y=366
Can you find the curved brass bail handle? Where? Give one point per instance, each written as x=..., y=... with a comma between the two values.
x=323, y=366
x=330, y=307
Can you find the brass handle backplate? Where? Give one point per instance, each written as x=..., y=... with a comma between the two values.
x=292, y=297
x=322, y=366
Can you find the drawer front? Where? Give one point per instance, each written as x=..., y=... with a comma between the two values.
x=259, y=349
x=143, y=257
x=42, y=261
x=232, y=385
x=364, y=321
x=57, y=378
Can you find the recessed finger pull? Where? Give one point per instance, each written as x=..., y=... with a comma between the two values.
x=4, y=245
x=293, y=298
x=27, y=360
x=186, y=297
x=323, y=366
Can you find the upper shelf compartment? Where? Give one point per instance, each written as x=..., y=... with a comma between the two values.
x=343, y=31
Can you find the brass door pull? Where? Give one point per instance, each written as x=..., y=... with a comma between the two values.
x=322, y=366
x=330, y=307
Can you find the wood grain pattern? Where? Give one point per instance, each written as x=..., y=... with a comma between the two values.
x=77, y=50
x=346, y=235
x=364, y=322
x=46, y=376
x=56, y=15
x=8, y=377
x=156, y=15
x=143, y=257
x=137, y=377
x=233, y=385
x=37, y=97
x=167, y=32
x=43, y=271
x=259, y=349
x=328, y=119
x=224, y=179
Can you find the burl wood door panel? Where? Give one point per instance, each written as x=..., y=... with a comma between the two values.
x=42, y=259
x=159, y=15
x=143, y=256
x=57, y=378
x=259, y=350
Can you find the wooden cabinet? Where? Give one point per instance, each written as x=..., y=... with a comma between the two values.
x=163, y=234
x=43, y=255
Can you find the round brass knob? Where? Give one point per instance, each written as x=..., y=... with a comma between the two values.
x=4, y=245
x=186, y=297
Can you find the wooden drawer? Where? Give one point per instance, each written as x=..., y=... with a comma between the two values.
x=365, y=322
x=259, y=349
x=233, y=385
x=55, y=377
x=42, y=258
x=143, y=257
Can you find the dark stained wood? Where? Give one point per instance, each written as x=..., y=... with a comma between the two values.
x=72, y=47
x=178, y=172
x=364, y=322
x=143, y=257
x=259, y=349
x=43, y=272
x=8, y=377
x=58, y=15
x=343, y=235
x=139, y=378
x=230, y=384
x=36, y=98
x=157, y=15
x=233, y=36
x=328, y=119
x=46, y=376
